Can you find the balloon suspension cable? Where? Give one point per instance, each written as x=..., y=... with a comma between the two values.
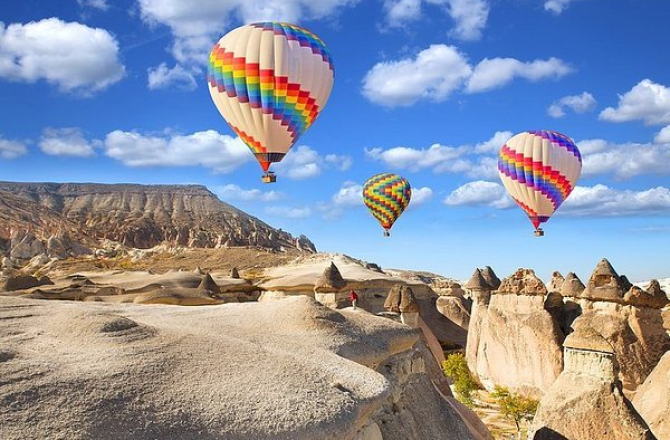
x=387, y=233
x=539, y=232
x=269, y=177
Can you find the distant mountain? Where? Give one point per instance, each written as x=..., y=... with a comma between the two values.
x=139, y=216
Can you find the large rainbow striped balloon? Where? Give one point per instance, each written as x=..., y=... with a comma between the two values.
x=387, y=195
x=270, y=81
x=539, y=170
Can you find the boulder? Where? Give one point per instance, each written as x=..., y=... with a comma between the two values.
x=208, y=284
x=18, y=282
x=654, y=298
x=234, y=273
x=523, y=282
x=455, y=308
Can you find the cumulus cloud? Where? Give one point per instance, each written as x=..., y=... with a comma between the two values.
x=439, y=71
x=72, y=56
x=11, y=149
x=470, y=160
x=349, y=195
x=603, y=201
x=577, y=103
x=497, y=72
x=67, y=142
x=433, y=74
x=647, y=101
x=162, y=77
x=304, y=163
x=210, y=149
x=480, y=193
x=235, y=192
x=663, y=136
x=196, y=29
x=420, y=196
x=470, y=16
x=557, y=6
x=624, y=161
x=287, y=212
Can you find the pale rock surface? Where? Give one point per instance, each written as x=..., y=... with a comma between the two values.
x=519, y=344
x=455, y=309
x=586, y=402
x=288, y=369
x=556, y=283
x=491, y=277
x=480, y=292
x=652, y=399
x=572, y=286
x=604, y=284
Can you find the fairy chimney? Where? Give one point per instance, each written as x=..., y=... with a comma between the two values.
x=328, y=288
x=234, y=273
x=479, y=288
x=208, y=283
x=491, y=278
x=604, y=284
x=556, y=283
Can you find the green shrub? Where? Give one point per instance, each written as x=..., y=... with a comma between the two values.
x=515, y=406
x=457, y=369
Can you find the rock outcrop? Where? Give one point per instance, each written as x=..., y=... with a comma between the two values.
x=586, y=402
x=605, y=284
x=480, y=292
x=328, y=287
x=400, y=299
x=491, y=278
x=519, y=342
x=652, y=399
x=68, y=219
x=453, y=305
x=175, y=373
x=556, y=283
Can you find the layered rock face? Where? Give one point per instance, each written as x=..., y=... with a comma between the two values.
x=518, y=344
x=630, y=320
x=586, y=402
x=289, y=369
x=63, y=216
x=652, y=399
x=453, y=305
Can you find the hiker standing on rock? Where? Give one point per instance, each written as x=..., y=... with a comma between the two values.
x=354, y=299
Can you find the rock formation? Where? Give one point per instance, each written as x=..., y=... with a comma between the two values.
x=652, y=399
x=605, y=284
x=491, y=278
x=480, y=292
x=556, y=283
x=400, y=299
x=586, y=402
x=61, y=218
x=453, y=305
x=289, y=369
x=518, y=342
x=234, y=273
x=328, y=287
x=209, y=285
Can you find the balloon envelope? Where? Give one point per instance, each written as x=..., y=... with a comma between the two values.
x=270, y=81
x=386, y=195
x=539, y=170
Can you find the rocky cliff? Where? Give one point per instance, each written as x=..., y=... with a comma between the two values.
x=49, y=217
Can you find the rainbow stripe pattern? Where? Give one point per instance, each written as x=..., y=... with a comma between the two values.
x=268, y=107
x=387, y=195
x=539, y=170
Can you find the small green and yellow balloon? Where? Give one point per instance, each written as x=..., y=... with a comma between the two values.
x=386, y=195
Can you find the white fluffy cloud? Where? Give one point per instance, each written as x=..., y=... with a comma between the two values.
x=433, y=74
x=197, y=27
x=72, y=56
x=439, y=71
x=162, y=77
x=624, y=161
x=480, y=192
x=602, y=201
x=577, y=103
x=470, y=160
x=67, y=142
x=304, y=163
x=210, y=149
x=647, y=101
x=470, y=16
x=235, y=192
x=663, y=136
x=420, y=196
x=11, y=149
x=497, y=72
x=287, y=212
x=349, y=195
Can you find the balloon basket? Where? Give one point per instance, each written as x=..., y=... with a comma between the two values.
x=269, y=177
x=539, y=233
x=386, y=233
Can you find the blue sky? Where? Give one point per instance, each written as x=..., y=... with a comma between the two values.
x=115, y=91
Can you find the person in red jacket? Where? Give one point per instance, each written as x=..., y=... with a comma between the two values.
x=354, y=299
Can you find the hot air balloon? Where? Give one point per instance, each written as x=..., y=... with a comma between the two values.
x=387, y=195
x=270, y=81
x=539, y=170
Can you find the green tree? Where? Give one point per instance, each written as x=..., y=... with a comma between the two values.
x=457, y=369
x=515, y=406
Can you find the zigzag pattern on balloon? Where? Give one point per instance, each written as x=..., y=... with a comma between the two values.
x=285, y=101
x=534, y=175
x=559, y=139
x=295, y=33
x=386, y=195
